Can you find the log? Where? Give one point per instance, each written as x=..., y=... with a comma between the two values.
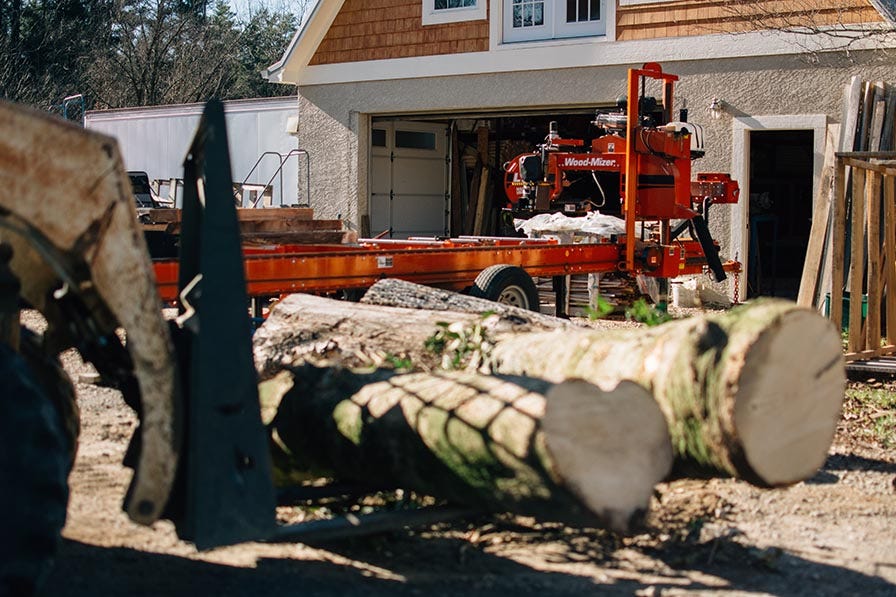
x=754, y=393
x=567, y=452
x=306, y=328
x=393, y=292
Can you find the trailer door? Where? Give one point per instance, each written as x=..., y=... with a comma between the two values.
x=409, y=179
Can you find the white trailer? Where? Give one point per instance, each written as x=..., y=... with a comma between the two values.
x=261, y=134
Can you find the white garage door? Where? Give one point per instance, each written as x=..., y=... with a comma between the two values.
x=408, y=179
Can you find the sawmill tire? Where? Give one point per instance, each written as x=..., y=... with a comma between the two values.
x=35, y=459
x=508, y=284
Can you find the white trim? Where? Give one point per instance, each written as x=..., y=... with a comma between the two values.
x=304, y=43
x=431, y=16
x=564, y=53
x=740, y=168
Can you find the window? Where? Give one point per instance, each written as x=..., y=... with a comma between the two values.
x=451, y=11
x=578, y=11
x=415, y=139
x=528, y=13
x=529, y=20
x=442, y=4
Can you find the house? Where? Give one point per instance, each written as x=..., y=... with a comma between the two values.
x=396, y=98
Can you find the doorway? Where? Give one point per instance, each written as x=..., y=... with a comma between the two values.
x=780, y=210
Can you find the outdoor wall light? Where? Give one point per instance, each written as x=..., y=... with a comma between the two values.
x=716, y=107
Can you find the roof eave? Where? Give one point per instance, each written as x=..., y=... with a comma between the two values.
x=304, y=43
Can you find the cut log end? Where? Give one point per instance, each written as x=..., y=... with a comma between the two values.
x=610, y=448
x=789, y=398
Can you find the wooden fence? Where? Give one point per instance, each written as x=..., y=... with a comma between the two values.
x=863, y=256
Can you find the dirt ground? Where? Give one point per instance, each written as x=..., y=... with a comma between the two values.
x=832, y=535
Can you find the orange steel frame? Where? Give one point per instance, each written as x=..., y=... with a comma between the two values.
x=452, y=263
x=651, y=70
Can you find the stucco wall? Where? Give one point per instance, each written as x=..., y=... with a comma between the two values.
x=332, y=115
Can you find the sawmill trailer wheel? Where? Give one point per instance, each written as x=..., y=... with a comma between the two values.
x=508, y=284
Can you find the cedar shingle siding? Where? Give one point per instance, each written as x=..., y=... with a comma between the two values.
x=383, y=29
x=703, y=17
x=377, y=30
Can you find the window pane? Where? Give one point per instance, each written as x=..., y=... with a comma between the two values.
x=528, y=13
x=378, y=138
x=595, y=10
x=443, y=4
x=415, y=140
x=570, y=11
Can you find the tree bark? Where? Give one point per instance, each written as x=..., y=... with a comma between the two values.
x=755, y=392
x=569, y=452
x=320, y=330
x=392, y=292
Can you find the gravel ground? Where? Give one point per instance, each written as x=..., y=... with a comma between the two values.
x=832, y=535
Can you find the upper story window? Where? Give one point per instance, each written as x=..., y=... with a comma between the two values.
x=529, y=20
x=452, y=11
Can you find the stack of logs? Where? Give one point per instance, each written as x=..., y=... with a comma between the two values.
x=558, y=421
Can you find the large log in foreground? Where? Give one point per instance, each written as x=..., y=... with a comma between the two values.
x=569, y=452
x=755, y=392
x=306, y=328
x=392, y=292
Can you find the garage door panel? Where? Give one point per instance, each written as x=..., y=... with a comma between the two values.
x=380, y=181
x=422, y=215
x=418, y=176
x=408, y=179
x=379, y=213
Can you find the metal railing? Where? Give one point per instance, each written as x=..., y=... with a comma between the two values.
x=277, y=173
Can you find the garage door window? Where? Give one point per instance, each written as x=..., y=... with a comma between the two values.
x=415, y=140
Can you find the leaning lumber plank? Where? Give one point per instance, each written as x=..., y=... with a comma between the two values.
x=873, y=251
x=569, y=452
x=890, y=259
x=310, y=328
x=856, y=275
x=392, y=292
x=818, y=234
x=754, y=392
x=838, y=241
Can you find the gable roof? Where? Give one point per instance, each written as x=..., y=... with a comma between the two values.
x=304, y=43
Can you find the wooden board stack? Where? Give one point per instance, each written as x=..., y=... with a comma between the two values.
x=851, y=258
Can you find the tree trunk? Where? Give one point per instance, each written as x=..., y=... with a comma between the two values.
x=569, y=452
x=754, y=392
x=314, y=329
x=392, y=292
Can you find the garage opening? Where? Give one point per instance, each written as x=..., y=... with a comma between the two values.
x=781, y=172
x=444, y=175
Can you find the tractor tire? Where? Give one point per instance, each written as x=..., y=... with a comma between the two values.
x=36, y=454
x=507, y=284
